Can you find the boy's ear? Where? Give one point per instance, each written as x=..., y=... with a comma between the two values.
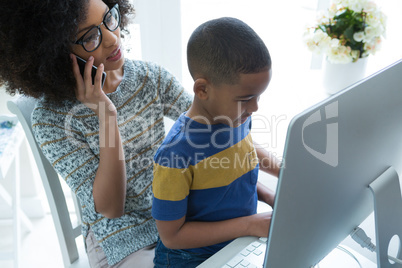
x=201, y=88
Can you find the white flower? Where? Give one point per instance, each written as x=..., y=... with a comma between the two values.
x=321, y=17
x=338, y=47
x=317, y=41
x=334, y=42
x=340, y=54
x=383, y=19
x=333, y=9
x=370, y=7
x=372, y=47
x=370, y=33
x=376, y=20
x=355, y=5
x=359, y=36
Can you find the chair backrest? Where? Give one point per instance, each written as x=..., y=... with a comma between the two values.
x=65, y=229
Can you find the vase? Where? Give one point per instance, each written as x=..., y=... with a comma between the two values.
x=338, y=76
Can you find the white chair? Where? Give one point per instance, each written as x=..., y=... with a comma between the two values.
x=67, y=232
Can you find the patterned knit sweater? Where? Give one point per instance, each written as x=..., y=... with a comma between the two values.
x=68, y=134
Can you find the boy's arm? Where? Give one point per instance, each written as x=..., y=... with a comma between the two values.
x=179, y=234
x=268, y=162
x=271, y=165
x=265, y=194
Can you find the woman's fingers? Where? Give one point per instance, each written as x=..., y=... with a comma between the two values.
x=98, y=78
x=84, y=85
x=77, y=75
x=88, y=76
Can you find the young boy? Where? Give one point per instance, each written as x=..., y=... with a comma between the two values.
x=205, y=172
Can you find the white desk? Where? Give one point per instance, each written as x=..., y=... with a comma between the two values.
x=335, y=259
x=11, y=141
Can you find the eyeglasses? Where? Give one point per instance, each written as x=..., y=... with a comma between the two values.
x=92, y=39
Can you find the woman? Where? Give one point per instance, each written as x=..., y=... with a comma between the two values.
x=101, y=140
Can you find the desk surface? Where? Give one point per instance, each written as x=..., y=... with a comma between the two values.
x=337, y=258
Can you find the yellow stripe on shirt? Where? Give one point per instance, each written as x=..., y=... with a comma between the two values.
x=215, y=171
x=226, y=166
x=172, y=183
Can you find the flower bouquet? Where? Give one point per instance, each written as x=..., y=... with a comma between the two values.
x=349, y=30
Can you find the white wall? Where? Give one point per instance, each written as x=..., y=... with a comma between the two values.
x=160, y=27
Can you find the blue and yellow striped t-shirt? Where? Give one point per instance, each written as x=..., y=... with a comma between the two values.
x=205, y=173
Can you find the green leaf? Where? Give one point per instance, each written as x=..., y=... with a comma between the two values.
x=349, y=32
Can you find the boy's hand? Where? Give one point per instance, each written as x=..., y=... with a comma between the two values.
x=259, y=224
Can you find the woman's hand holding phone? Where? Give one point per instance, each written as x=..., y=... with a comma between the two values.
x=89, y=91
x=81, y=63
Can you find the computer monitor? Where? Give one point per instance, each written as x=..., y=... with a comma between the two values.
x=333, y=152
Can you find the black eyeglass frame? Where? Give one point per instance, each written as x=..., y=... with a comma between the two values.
x=80, y=41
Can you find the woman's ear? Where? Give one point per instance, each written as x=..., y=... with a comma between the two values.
x=200, y=88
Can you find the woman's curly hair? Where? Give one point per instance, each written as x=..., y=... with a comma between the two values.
x=35, y=42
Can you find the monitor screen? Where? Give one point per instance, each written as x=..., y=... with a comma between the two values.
x=333, y=151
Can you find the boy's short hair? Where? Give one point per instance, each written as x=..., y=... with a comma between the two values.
x=220, y=49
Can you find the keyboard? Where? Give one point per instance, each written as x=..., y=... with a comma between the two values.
x=251, y=256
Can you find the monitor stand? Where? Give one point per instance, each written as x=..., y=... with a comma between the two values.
x=388, y=215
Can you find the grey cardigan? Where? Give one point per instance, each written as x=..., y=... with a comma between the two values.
x=68, y=135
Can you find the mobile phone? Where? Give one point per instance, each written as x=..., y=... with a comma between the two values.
x=81, y=63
